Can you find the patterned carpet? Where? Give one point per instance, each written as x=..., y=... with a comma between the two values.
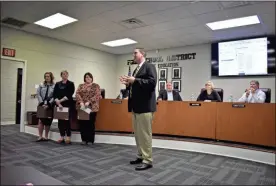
x=105, y=164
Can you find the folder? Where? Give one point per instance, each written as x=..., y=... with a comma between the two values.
x=61, y=113
x=84, y=114
x=44, y=113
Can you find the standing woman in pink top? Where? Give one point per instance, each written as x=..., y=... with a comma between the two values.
x=88, y=96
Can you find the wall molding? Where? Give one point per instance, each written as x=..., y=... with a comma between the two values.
x=7, y=122
x=234, y=152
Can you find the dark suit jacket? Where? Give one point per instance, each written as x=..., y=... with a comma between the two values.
x=163, y=94
x=214, y=96
x=143, y=97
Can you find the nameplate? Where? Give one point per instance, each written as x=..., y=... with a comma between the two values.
x=238, y=105
x=116, y=101
x=195, y=104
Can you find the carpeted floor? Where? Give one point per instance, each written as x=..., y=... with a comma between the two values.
x=105, y=164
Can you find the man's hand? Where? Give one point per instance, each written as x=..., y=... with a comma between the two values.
x=248, y=92
x=127, y=79
x=124, y=81
x=87, y=104
x=160, y=99
x=253, y=90
x=130, y=79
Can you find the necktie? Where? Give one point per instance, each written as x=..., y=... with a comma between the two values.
x=134, y=74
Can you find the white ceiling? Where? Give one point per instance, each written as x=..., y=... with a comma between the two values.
x=167, y=24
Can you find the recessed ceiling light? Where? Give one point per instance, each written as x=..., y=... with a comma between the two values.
x=55, y=21
x=231, y=23
x=119, y=42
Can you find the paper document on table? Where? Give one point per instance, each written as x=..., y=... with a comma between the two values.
x=63, y=109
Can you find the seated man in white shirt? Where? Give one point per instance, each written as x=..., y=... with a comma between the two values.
x=253, y=94
x=169, y=94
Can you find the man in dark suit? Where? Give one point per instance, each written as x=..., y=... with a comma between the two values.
x=142, y=104
x=169, y=94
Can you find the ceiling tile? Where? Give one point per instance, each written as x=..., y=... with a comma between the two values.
x=181, y=23
x=203, y=7
x=212, y=17
x=88, y=9
x=176, y=13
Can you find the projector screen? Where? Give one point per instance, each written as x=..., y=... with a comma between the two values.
x=245, y=57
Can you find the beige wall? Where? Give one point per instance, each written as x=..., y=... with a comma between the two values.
x=196, y=72
x=45, y=54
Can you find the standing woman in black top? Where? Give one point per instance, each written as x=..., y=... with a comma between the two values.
x=209, y=94
x=63, y=95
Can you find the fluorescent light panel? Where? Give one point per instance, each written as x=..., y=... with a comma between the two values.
x=231, y=23
x=119, y=42
x=55, y=21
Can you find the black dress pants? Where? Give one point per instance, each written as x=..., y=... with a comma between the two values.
x=87, y=128
x=64, y=127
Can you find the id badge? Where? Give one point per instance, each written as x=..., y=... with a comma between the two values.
x=45, y=102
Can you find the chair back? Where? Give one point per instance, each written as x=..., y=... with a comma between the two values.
x=267, y=92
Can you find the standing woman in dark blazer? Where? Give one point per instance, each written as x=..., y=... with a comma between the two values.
x=45, y=99
x=209, y=94
x=88, y=96
x=63, y=95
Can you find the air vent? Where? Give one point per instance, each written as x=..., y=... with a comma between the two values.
x=132, y=23
x=13, y=22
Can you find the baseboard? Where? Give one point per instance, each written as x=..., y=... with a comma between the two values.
x=245, y=154
x=7, y=122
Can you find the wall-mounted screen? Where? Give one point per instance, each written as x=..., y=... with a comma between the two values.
x=246, y=57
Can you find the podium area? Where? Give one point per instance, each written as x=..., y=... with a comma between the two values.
x=240, y=130
x=235, y=122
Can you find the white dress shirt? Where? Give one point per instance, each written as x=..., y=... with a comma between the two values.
x=258, y=97
x=140, y=66
x=170, y=96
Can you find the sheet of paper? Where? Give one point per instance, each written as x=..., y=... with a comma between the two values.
x=64, y=109
x=87, y=110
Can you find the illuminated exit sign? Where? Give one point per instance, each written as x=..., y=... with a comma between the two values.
x=8, y=52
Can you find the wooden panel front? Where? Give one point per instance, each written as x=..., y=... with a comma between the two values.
x=179, y=118
x=113, y=116
x=254, y=124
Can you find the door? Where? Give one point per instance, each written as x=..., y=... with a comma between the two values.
x=18, y=95
x=11, y=90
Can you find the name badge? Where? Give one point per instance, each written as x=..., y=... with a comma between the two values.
x=45, y=102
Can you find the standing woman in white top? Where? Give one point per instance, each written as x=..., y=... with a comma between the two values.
x=45, y=99
x=253, y=94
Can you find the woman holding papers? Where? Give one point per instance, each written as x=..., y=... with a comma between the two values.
x=46, y=100
x=87, y=99
x=63, y=95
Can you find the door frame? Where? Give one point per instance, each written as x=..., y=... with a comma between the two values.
x=23, y=94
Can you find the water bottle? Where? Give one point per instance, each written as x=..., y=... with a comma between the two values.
x=192, y=97
x=230, y=98
x=121, y=95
